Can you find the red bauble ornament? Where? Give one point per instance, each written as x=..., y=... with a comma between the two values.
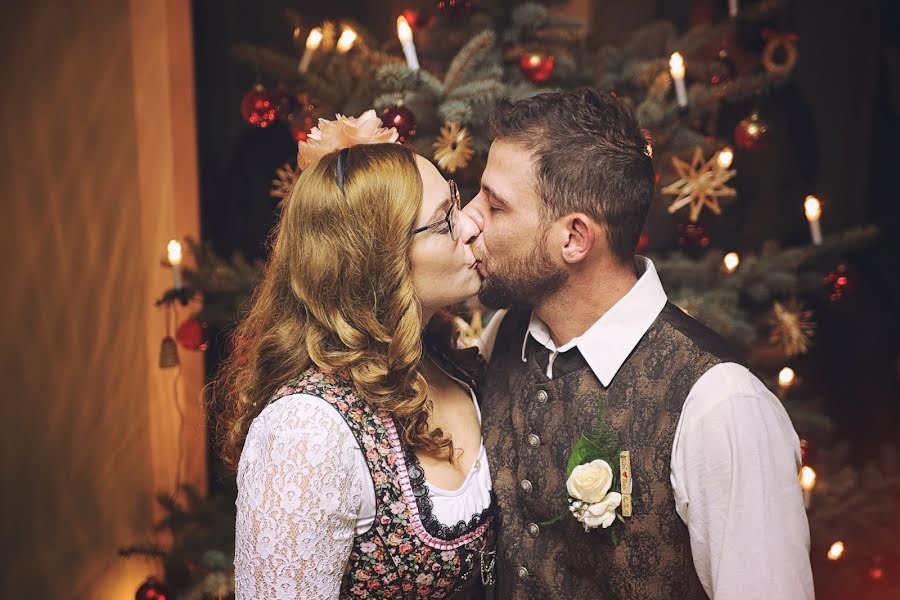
x=838, y=283
x=402, y=119
x=303, y=118
x=417, y=20
x=455, y=9
x=257, y=107
x=152, y=589
x=192, y=334
x=536, y=67
x=752, y=133
x=692, y=238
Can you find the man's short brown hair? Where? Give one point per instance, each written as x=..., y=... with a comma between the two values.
x=591, y=157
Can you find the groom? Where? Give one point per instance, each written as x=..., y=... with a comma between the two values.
x=716, y=509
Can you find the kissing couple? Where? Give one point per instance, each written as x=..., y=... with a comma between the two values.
x=598, y=444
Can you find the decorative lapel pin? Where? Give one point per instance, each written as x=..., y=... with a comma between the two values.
x=625, y=477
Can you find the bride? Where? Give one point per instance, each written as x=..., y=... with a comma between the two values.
x=350, y=415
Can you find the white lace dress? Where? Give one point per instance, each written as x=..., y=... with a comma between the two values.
x=304, y=493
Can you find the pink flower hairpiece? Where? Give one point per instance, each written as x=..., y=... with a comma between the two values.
x=341, y=133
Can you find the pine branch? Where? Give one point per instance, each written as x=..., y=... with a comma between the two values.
x=272, y=63
x=483, y=90
x=467, y=57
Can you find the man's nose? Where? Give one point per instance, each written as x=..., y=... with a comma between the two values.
x=469, y=229
x=474, y=210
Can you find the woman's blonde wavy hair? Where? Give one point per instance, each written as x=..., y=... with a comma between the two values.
x=337, y=294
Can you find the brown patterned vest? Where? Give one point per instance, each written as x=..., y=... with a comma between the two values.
x=531, y=423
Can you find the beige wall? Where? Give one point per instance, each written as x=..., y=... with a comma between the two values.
x=97, y=172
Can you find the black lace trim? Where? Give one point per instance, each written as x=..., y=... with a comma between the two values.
x=432, y=525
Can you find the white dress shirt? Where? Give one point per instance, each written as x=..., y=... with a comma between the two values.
x=735, y=458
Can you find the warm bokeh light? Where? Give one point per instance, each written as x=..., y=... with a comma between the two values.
x=807, y=478
x=786, y=377
x=731, y=261
x=676, y=65
x=725, y=157
x=346, y=41
x=173, y=250
x=813, y=208
x=836, y=551
x=314, y=39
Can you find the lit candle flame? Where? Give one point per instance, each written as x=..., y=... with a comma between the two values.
x=346, y=41
x=725, y=158
x=676, y=65
x=404, y=31
x=731, y=261
x=173, y=250
x=807, y=478
x=314, y=39
x=836, y=551
x=786, y=377
x=813, y=208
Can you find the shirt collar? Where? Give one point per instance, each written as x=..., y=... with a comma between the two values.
x=608, y=342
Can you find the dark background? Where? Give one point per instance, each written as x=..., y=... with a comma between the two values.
x=835, y=131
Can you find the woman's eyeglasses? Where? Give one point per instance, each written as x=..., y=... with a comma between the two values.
x=452, y=217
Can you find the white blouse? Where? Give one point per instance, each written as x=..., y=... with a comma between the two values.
x=305, y=491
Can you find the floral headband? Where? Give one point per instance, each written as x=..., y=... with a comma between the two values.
x=343, y=133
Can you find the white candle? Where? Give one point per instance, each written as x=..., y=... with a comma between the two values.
x=676, y=67
x=731, y=261
x=404, y=32
x=807, y=483
x=346, y=41
x=732, y=8
x=313, y=40
x=813, y=209
x=173, y=250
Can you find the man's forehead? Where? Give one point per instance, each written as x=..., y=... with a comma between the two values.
x=509, y=169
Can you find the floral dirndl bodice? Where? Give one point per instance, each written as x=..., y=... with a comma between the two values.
x=406, y=553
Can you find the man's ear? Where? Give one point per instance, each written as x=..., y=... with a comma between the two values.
x=580, y=236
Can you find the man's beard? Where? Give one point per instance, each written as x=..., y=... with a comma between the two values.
x=524, y=282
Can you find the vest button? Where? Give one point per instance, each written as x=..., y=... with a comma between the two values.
x=542, y=397
x=525, y=485
x=533, y=440
x=533, y=529
x=522, y=572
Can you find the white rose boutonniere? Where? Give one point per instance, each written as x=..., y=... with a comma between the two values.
x=591, y=481
x=592, y=503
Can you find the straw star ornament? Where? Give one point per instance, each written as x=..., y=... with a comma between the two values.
x=701, y=184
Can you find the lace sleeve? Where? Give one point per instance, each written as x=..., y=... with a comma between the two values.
x=299, y=491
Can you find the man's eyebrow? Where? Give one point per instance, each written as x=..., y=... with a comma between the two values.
x=493, y=194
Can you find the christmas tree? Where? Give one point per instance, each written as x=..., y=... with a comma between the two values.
x=702, y=97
